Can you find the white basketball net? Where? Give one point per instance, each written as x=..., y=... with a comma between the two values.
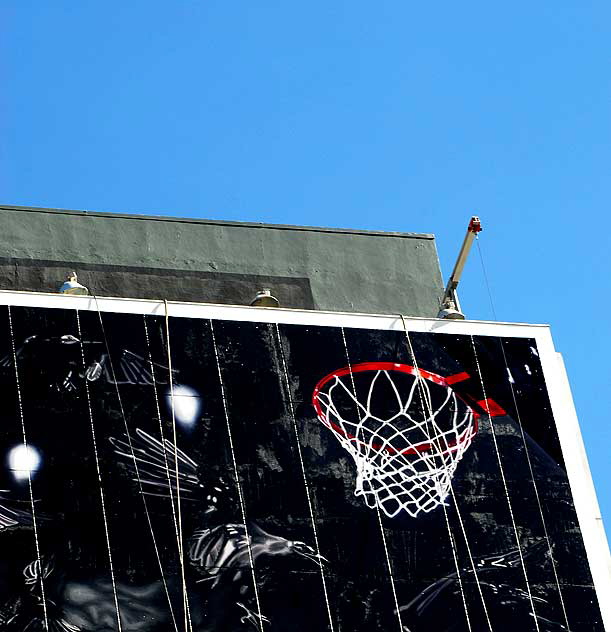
x=404, y=462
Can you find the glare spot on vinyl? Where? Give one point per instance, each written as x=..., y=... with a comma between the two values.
x=23, y=461
x=187, y=404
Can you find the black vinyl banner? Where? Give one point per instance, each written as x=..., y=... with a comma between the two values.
x=243, y=476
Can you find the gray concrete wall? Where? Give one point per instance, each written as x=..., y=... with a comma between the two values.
x=220, y=262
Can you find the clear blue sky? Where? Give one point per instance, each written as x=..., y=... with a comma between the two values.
x=386, y=115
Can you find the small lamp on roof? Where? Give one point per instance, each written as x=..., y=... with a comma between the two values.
x=264, y=298
x=72, y=286
x=449, y=311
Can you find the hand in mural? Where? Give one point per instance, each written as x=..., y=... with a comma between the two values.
x=227, y=549
x=29, y=611
x=250, y=617
x=76, y=604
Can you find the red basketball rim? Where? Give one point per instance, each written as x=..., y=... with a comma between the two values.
x=401, y=368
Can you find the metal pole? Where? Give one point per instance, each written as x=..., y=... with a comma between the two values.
x=450, y=307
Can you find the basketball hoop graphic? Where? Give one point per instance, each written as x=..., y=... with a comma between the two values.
x=405, y=428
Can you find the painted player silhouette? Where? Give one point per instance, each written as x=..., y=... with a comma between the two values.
x=221, y=550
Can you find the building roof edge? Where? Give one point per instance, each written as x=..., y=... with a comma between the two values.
x=215, y=222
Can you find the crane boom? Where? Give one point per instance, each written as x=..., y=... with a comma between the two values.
x=449, y=300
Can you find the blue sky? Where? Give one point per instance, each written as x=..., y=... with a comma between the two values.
x=385, y=115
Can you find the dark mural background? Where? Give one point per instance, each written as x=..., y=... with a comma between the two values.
x=103, y=531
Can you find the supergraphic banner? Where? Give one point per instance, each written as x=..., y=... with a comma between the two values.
x=201, y=469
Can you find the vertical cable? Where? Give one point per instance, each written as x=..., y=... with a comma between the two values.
x=454, y=499
x=237, y=477
x=303, y=472
x=163, y=439
x=136, y=467
x=99, y=473
x=384, y=543
x=423, y=399
x=539, y=504
x=526, y=450
x=481, y=258
x=188, y=623
x=25, y=446
x=506, y=489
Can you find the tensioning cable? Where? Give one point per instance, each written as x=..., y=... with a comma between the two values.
x=526, y=450
x=135, y=462
x=304, y=475
x=426, y=407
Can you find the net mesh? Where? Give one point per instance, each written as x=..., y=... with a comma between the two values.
x=405, y=432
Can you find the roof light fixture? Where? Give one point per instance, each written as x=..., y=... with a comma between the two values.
x=264, y=298
x=72, y=286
